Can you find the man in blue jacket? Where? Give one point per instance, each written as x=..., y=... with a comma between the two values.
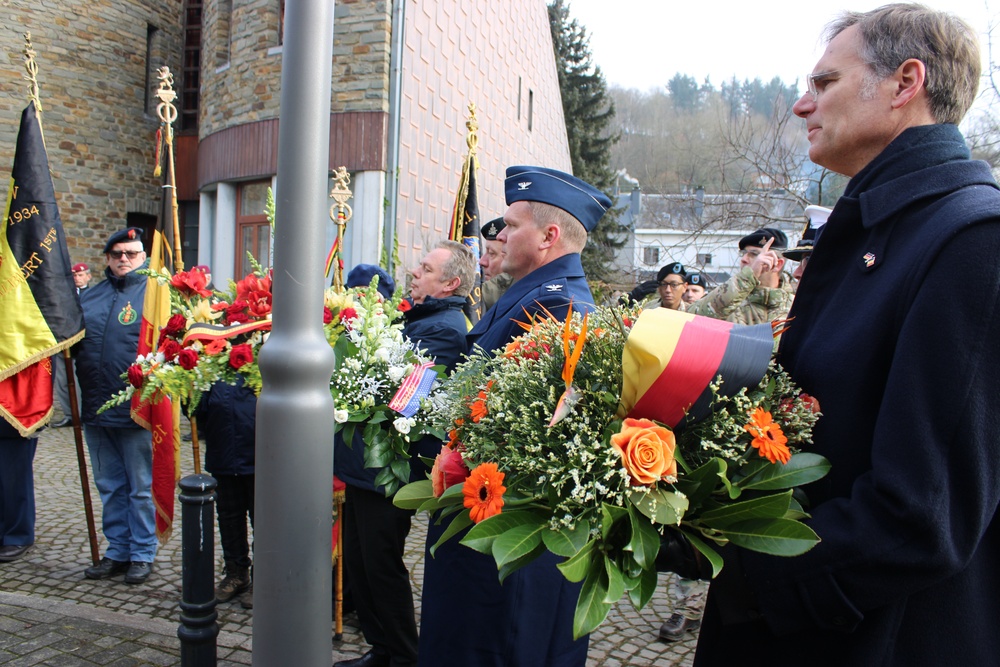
x=121, y=451
x=375, y=530
x=468, y=617
x=904, y=368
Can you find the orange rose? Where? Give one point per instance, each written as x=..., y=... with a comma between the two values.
x=647, y=451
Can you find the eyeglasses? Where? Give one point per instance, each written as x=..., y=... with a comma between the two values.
x=816, y=83
x=671, y=284
x=131, y=254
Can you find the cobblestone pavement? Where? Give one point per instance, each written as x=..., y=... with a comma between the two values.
x=51, y=615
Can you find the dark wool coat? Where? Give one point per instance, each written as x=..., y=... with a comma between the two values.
x=112, y=313
x=227, y=422
x=895, y=329
x=467, y=616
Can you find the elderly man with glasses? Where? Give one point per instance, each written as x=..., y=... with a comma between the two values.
x=903, y=367
x=121, y=451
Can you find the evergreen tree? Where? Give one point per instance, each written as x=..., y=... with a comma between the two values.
x=589, y=112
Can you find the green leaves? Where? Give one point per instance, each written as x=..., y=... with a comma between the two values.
x=802, y=468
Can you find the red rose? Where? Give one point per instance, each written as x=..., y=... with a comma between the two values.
x=327, y=315
x=135, y=376
x=449, y=469
x=176, y=323
x=187, y=358
x=348, y=314
x=240, y=355
x=404, y=306
x=236, y=313
x=190, y=283
x=811, y=402
x=170, y=349
x=253, y=283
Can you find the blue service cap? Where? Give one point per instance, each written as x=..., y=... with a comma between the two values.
x=578, y=198
x=492, y=228
x=126, y=235
x=361, y=276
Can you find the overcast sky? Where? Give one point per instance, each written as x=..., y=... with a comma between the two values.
x=643, y=43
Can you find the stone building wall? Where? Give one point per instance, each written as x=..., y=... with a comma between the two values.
x=92, y=73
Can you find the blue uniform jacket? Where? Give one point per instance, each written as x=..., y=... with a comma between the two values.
x=227, y=419
x=895, y=329
x=551, y=287
x=112, y=313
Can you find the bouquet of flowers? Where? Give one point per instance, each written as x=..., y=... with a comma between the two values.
x=581, y=440
x=378, y=382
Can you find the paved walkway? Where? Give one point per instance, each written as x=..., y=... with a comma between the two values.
x=51, y=615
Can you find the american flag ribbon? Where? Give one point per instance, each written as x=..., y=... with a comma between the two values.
x=416, y=386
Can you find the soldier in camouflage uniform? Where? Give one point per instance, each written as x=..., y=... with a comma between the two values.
x=760, y=291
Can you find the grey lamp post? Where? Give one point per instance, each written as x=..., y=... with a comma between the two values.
x=294, y=464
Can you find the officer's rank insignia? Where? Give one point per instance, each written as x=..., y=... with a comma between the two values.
x=554, y=287
x=491, y=230
x=523, y=185
x=869, y=259
x=128, y=314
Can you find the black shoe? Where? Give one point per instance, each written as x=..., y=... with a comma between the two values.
x=65, y=421
x=138, y=572
x=370, y=659
x=11, y=552
x=677, y=628
x=106, y=568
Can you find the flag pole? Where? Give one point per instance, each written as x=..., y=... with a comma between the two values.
x=167, y=114
x=31, y=76
x=341, y=213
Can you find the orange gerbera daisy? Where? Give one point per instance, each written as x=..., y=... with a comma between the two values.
x=483, y=490
x=478, y=408
x=770, y=442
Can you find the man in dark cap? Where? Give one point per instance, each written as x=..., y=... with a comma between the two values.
x=760, y=291
x=121, y=451
x=817, y=216
x=361, y=276
x=60, y=387
x=527, y=621
x=495, y=281
x=81, y=276
x=695, y=288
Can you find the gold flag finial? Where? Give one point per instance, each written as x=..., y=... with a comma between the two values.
x=166, y=111
x=340, y=213
x=472, y=138
x=32, y=72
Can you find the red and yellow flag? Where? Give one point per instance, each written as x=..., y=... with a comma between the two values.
x=41, y=313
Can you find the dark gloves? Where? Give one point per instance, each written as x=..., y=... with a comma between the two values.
x=641, y=291
x=678, y=556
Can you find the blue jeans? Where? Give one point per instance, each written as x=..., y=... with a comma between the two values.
x=122, y=461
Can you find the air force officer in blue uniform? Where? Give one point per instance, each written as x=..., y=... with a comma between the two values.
x=468, y=618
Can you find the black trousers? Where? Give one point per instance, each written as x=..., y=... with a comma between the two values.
x=375, y=533
x=233, y=504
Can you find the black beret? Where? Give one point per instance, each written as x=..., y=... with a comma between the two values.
x=361, y=276
x=697, y=279
x=126, y=235
x=492, y=228
x=578, y=198
x=675, y=268
x=758, y=238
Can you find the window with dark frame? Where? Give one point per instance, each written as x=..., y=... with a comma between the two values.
x=253, y=233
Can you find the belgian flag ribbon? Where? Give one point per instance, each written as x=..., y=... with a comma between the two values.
x=41, y=310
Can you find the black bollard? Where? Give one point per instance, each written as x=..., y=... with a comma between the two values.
x=198, y=629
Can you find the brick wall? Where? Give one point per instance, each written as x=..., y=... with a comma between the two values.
x=91, y=57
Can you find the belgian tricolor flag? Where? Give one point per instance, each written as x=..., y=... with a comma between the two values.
x=38, y=300
x=465, y=229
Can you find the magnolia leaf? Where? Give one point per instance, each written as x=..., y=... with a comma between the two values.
x=616, y=583
x=642, y=592
x=414, y=495
x=702, y=482
x=386, y=479
x=708, y=552
x=566, y=542
x=609, y=516
x=591, y=609
x=507, y=568
x=802, y=468
x=773, y=506
x=666, y=507
x=577, y=567
x=457, y=525
x=482, y=536
x=645, y=542
x=777, y=537
x=401, y=469
x=518, y=542
x=379, y=454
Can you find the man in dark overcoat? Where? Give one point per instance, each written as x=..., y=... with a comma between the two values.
x=904, y=368
x=468, y=617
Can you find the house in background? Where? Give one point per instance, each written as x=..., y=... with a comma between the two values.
x=404, y=74
x=700, y=230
